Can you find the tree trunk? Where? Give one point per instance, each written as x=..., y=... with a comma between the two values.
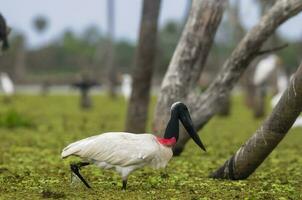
x=238, y=33
x=246, y=160
x=259, y=100
x=234, y=20
x=85, y=99
x=248, y=85
x=20, y=61
x=260, y=92
x=225, y=106
x=233, y=13
x=143, y=69
x=205, y=106
x=189, y=57
x=112, y=74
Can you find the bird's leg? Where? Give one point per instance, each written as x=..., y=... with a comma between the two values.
x=82, y=164
x=75, y=169
x=124, y=184
x=124, y=173
x=165, y=174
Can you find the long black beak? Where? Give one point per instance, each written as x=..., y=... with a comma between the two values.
x=186, y=120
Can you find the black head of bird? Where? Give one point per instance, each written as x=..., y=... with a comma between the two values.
x=180, y=112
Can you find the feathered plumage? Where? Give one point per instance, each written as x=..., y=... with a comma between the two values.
x=126, y=152
x=121, y=149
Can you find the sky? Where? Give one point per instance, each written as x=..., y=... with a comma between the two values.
x=79, y=14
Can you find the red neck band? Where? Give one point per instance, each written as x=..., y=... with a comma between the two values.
x=167, y=142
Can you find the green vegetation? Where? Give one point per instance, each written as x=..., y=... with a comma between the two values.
x=13, y=119
x=31, y=167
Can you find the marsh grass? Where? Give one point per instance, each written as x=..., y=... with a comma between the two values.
x=13, y=119
x=31, y=167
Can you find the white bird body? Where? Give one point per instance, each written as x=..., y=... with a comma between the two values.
x=7, y=84
x=282, y=83
x=126, y=86
x=264, y=69
x=125, y=152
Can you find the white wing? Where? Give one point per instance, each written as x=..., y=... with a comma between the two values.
x=115, y=148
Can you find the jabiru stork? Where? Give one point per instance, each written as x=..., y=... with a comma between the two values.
x=127, y=152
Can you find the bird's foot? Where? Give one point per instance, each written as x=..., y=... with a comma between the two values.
x=124, y=185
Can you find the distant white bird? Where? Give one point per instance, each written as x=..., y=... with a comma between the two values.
x=282, y=83
x=126, y=87
x=7, y=84
x=264, y=69
x=126, y=152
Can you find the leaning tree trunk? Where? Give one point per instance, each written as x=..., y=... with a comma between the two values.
x=189, y=57
x=143, y=69
x=206, y=105
x=246, y=160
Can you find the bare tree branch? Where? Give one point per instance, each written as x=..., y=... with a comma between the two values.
x=189, y=57
x=205, y=106
x=273, y=49
x=250, y=155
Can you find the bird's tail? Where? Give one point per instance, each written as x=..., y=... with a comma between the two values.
x=68, y=151
x=74, y=148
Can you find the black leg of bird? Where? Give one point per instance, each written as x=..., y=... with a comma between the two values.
x=124, y=185
x=75, y=169
x=82, y=164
